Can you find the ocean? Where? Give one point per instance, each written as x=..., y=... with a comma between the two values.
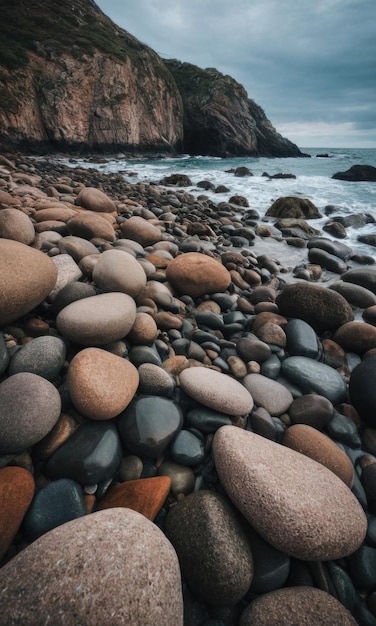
x=313, y=181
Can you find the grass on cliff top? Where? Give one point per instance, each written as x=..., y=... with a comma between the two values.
x=49, y=27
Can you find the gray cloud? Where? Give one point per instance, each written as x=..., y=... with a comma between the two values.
x=306, y=63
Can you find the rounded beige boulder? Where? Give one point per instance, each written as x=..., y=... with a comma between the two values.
x=101, y=384
x=141, y=230
x=306, y=606
x=97, y=320
x=111, y=567
x=95, y=200
x=215, y=390
x=296, y=504
x=117, y=270
x=196, y=274
x=26, y=278
x=89, y=225
x=16, y=225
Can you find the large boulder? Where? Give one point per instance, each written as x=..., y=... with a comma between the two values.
x=111, y=567
x=357, y=173
x=292, y=207
x=196, y=274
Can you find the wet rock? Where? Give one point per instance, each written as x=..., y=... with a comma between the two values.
x=314, y=377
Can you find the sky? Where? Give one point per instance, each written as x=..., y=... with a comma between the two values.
x=310, y=64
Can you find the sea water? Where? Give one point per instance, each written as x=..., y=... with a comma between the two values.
x=313, y=181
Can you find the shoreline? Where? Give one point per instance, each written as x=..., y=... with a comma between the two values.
x=114, y=292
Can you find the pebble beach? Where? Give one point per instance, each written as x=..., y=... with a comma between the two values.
x=187, y=423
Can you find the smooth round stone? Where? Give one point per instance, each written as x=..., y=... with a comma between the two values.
x=76, y=247
x=70, y=293
x=131, y=467
x=207, y=420
x=354, y=294
x=329, y=261
x=296, y=504
x=356, y=337
x=146, y=496
x=44, y=356
x=110, y=563
x=209, y=539
x=344, y=429
x=321, y=308
x=139, y=355
x=362, y=389
x=97, y=320
x=301, y=339
x=216, y=391
x=26, y=276
x=336, y=248
x=311, y=409
x=54, y=504
x=144, y=330
x=271, y=368
x=314, y=377
x=307, y=606
x=89, y=225
x=16, y=225
x=91, y=455
x=4, y=354
x=197, y=274
x=320, y=448
x=187, y=449
x=343, y=586
x=95, y=200
x=270, y=566
x=155, y=381
x=117, y=270
x=272, y=334
x=365, y=277
x=16, y=492
x=268, y=393
x=29, y=408
x=149, y=424
x=141, y=230
x=101, y=384
x=182, y=477
x=253, y=349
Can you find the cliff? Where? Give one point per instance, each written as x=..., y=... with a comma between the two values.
x=72, y=80
x=220, y=119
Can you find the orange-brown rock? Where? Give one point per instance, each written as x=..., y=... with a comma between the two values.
x=89, y=225
x=144, y=330
x=356, y=337
x=146, y=495
x=320, y=448
x=26, y=277
x=267, y=317
x=59, y=214
x=16, y=492
x=197, y=274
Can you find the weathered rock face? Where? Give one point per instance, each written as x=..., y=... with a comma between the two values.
x=73, y=80
x=92, y=86
x=220, y=119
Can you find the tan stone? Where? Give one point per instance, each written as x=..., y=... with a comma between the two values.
x=89, y=225
x=16, y=225
x=101, y=384
x=144, y=330
x=117, y=270
x=26, y=277
x=95, y=200
x=141, y=230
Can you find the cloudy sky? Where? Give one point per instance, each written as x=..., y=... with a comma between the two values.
x=310, y=64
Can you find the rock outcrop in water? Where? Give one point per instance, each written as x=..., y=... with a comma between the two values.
x=73, y=80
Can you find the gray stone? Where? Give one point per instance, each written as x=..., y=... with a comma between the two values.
x=253, y=349
x=117, y=270
x=213, y=550
x=314, y=377
x=67, y=272
x=4, y=354
x=365, y=277
x=29, y=408
x=187, y=449
x=356, y=295
x=268, y=393
x=362, y=389
x=44, y=356
x=311, y=409
x=110, y=563
x=301, y=339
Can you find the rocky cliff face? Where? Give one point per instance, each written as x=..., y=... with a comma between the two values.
x=76, y=81
x=70, y=79
x=220, y=119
